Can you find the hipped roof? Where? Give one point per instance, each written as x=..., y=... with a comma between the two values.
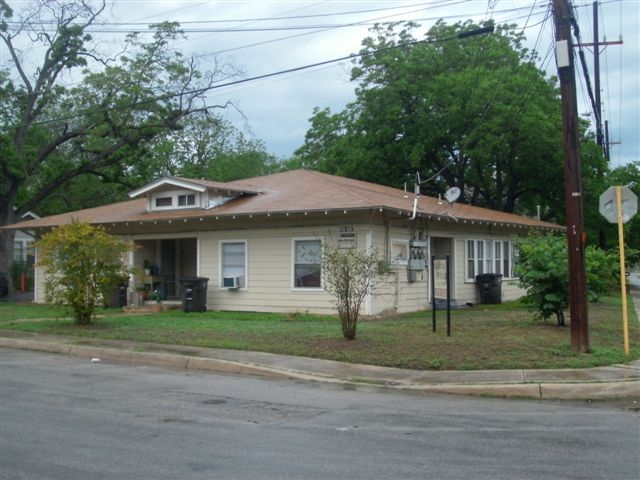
x=297, y=191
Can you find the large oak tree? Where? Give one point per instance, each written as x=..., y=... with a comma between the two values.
x=81, y=113
x=468, y=111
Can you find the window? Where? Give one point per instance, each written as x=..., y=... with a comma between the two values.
x=18, y=251
x=307, y=260
x=185, y=200
x=233, y=262
x=399, y=251
x=471, y=259
x=164, y=201
x=489, y=256
x=479, y=257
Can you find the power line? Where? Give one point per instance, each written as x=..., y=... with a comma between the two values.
x=200, y=91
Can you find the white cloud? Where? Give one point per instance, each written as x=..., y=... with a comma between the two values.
x=278, y=108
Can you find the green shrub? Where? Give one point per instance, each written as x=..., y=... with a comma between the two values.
x=83, y=263
x=347, y=274
x=543, y=270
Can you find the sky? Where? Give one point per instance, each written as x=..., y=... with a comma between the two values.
x=264, y=37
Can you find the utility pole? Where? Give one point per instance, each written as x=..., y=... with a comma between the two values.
x=596, y=68
x=576, y=235
x=602, y=137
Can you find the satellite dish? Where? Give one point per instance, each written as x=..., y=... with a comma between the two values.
x=452, y=194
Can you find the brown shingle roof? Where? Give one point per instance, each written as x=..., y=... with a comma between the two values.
x=294, y=191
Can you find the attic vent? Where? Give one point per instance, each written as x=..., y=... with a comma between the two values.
x=163, y=201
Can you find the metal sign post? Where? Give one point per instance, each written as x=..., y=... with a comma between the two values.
x=619, y=205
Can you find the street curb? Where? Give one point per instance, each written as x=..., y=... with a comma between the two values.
x=627, y=388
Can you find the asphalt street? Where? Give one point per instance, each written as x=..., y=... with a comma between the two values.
x=64, y=417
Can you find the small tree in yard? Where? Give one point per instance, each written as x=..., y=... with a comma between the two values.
x=83, y=265
x=347, y=274
x=543, y=270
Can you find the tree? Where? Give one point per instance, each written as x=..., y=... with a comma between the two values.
x=542, y=268
x=210, y=147
x=101, y=127
x=84, y=264
x=347, y=275
x=474, y=112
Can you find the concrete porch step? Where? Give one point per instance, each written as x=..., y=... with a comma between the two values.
x=153, y=307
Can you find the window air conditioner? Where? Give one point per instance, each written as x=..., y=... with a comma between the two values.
x=231, y=281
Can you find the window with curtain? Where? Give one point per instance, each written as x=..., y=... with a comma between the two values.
x=307, y=263
x=233, y=260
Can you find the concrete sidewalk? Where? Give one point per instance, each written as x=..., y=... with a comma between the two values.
x=619, y=381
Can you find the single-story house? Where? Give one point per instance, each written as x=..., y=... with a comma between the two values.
x=256, y=241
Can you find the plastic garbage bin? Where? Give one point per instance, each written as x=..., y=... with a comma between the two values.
x=194, y=294
x=490, y=287
x=118, y=296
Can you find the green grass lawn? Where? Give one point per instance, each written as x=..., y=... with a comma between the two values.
x=483, y=337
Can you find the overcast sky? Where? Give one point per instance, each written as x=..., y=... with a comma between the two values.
x=263, y=37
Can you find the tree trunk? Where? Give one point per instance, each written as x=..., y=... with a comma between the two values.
x=6, y=256
x=349, y=328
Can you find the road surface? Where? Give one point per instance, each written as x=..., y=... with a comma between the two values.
x=70, y=419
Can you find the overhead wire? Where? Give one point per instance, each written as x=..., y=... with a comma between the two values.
x=432, y=3
x=585, y=69
x=202, y=90
x=323, y=64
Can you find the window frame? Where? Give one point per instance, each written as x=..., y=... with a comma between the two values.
x=167, y=202
x=172, y=198
x=487, y=256
x=399, y=242
x=244, y=281
x=294, y=250
x=189, y=199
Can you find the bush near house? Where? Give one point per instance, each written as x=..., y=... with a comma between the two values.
x=84, y=264
x=542, y=268
x=347, y=274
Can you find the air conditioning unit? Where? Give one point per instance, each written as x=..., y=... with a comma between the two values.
x=231, y=281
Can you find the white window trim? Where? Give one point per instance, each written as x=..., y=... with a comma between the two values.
x=245, y=282
x=400, y=241
x=174, y=194
x=293, y=265
x=488, y=257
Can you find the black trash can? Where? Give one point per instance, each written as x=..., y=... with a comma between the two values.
x=194, y=293
x=118, y=296
x=490, y=287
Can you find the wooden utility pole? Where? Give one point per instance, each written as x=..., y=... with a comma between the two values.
x=596, y=68
x=576, y=236
x=602, y=136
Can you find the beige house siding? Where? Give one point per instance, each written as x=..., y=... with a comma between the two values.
x=269, y=278
x=269, y=286
x=467, y=291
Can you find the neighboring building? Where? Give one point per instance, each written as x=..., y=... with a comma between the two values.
x=23, y=243
x=257, y=240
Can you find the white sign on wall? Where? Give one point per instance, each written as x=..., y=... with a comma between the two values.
x=347, y=237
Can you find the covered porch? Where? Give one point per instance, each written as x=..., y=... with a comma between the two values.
x=160, y=264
